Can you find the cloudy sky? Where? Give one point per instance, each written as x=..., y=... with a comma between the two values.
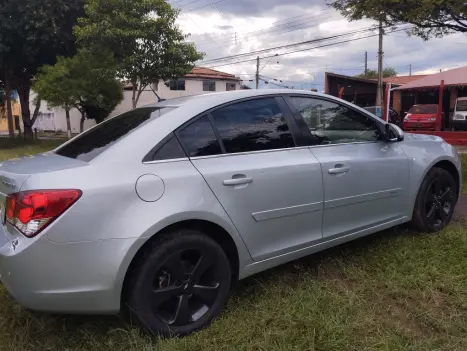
x=229, y=27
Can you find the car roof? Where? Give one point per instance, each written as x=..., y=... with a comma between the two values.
x=214, y=99
x=462, y=99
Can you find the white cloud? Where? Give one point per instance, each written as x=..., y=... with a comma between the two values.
x=241, y=26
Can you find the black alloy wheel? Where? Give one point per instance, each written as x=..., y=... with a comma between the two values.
x=185, y=287
x=439, y=200
x=181, y=284
x=435, y=202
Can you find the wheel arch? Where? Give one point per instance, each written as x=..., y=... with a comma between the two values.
x=452, y=169
x=216, y=232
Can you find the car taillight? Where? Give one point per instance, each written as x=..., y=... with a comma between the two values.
x=32, y=211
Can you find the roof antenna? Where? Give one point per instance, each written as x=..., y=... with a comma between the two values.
x=158, y=97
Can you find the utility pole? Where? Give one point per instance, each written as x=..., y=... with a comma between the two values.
x=257, y=72
x=379, y=93
x=366, y=64
x=410, y=69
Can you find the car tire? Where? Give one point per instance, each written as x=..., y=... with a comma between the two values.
x=435, y=201
x=180, y=284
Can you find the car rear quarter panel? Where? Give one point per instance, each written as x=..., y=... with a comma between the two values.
x=110, y=209
x=424, y=152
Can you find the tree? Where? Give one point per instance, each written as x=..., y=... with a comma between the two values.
x=431, y=18
x=147, y=44
x=33, y=33
x=81, y=81
x=373, y=74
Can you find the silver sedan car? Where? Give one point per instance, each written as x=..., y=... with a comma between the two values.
x=161, y=209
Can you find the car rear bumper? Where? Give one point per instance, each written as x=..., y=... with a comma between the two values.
x=82, y=277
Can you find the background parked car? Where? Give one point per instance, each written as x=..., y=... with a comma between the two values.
x=393, y=115
x=421, y=117
x=459, y=121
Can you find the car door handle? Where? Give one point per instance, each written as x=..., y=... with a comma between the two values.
x=338, y=169
x=238, y=181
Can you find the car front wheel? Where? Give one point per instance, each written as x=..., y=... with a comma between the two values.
x=180, y=285
x=435, y=202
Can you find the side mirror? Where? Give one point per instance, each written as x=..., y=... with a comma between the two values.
x=393, y=133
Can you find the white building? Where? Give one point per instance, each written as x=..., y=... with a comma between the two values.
x=199, y=81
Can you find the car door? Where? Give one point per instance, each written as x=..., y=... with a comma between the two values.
x=366, y=179
x=270, y=188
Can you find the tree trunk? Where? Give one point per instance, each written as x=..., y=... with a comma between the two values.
x=134, y=101
x=68, y=123
x=36, y=110
x=23, y=91
x=9, y=112
x=81, y=123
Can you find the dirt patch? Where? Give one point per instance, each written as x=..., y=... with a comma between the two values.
x=460, y=212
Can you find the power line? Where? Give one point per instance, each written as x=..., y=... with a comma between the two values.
x=200, y=7
x=306, y=49
x=205, y=33
x=288, y=45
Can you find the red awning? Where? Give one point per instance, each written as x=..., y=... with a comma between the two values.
x=453, y=77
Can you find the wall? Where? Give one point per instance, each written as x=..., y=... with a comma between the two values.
x=16, y=111
x=192, y=87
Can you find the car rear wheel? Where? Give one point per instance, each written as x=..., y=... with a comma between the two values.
x=435, y=202
x=181, y=284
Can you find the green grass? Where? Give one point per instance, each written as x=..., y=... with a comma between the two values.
x=18, y=147
x=396, y=290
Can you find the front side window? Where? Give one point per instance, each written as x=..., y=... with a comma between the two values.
x=209, y=85
x=332, y=123
x=199, y=139
x=96, y=140
x=177, y=85
x=253, y=125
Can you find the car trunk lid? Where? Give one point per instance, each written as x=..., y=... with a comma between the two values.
x=13, y=173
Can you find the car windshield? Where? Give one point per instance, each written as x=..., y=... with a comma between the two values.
x=461, y=105
x=424, y=109
x=96, y=140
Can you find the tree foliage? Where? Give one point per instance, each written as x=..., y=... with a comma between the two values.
x=146, y=42
x=373, y=74
x=33, y=33
x=84, y=80
x=431, y=18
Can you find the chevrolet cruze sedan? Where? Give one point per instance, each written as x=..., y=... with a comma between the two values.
x=160, y=210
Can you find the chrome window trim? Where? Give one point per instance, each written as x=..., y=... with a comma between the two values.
x=171, y=160
x=283, y=149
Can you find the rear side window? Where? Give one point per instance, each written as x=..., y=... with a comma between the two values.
x=98, y=139
x=169, y=150
x=253, y=125
x=199, y=139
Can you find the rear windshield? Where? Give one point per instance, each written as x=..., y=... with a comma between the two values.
x=424, y=109
x=461, y=105
x=98, y=139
